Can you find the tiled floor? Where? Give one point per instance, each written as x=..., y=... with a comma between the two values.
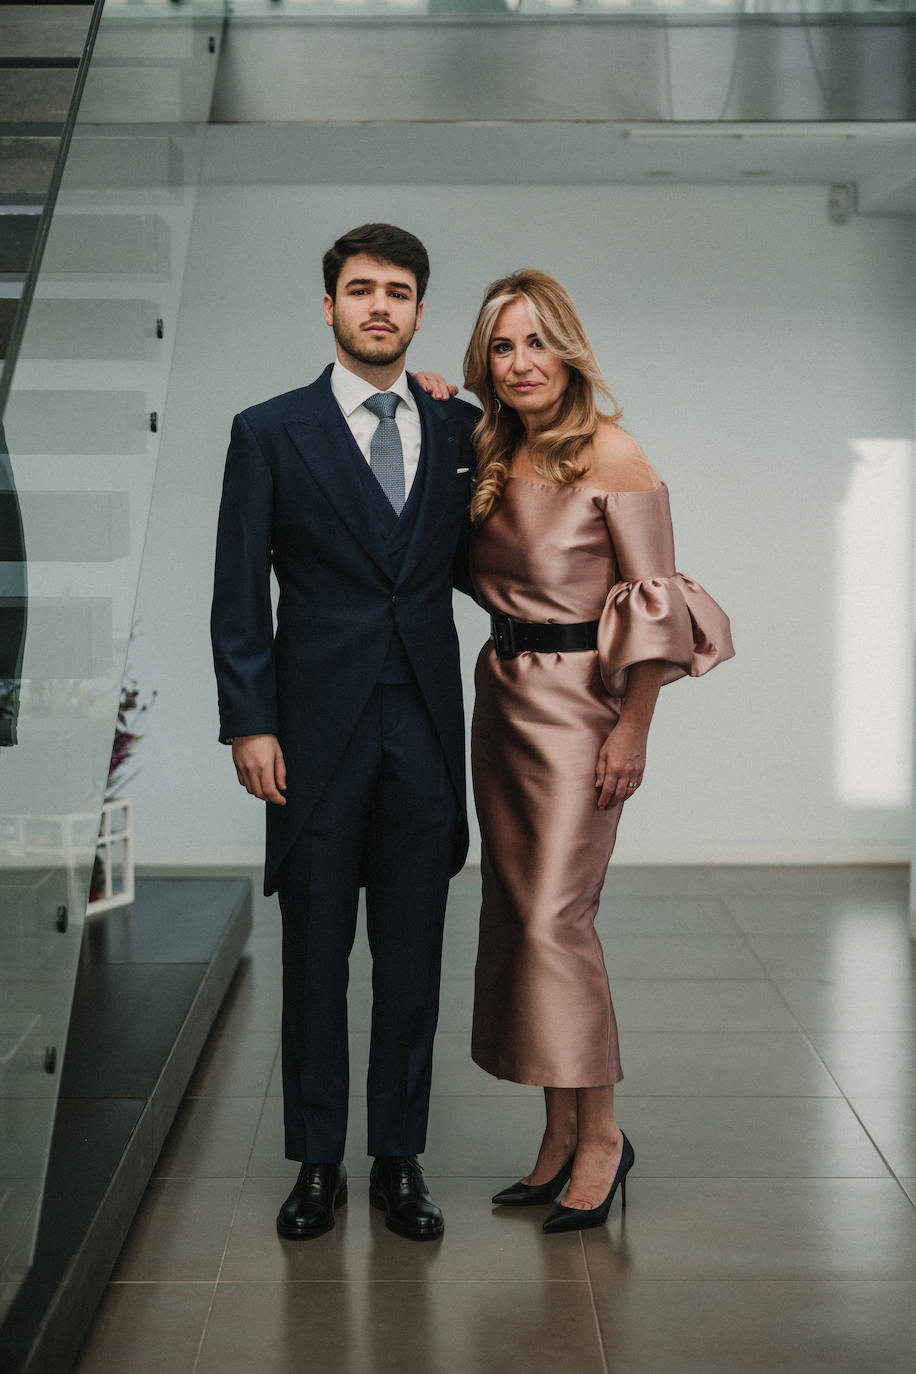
x=768, y=1024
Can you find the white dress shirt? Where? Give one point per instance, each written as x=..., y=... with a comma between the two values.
x=350, y=391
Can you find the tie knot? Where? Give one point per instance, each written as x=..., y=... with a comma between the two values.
x=383, y=404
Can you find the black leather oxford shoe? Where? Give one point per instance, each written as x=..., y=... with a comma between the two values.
x=396, y=1186
x=309, y=1209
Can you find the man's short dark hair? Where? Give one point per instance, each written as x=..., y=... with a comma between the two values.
x=384, y=242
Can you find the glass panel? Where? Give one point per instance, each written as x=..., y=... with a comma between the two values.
x=82, y=429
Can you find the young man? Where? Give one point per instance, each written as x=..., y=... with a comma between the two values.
x=348, y=720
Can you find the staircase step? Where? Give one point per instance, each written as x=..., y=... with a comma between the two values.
x=68, y=637
x=96, y=423
x=17, y=234
x=26, y=165
x=148, y=163
x=81, y=328
x=36, y=95
x=49, y=31
x=133, y=245
x=8, y=308
x=76, y=526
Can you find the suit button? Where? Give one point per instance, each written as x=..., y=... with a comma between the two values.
x=395, y=600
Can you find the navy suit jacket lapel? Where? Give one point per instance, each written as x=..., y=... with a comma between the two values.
x=326, y=445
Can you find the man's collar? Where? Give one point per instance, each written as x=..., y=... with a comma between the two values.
x=351, y=391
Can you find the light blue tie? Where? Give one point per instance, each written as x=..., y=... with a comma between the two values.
x=386, y=457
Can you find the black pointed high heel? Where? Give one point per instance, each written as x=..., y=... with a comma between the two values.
x=582, y=1218
x=533, y=1194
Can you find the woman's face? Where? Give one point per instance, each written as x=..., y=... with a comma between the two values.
x=524, y=373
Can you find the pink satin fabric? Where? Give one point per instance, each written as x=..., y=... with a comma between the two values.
x=543, y=1012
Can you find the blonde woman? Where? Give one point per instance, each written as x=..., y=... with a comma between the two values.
x=572, y=554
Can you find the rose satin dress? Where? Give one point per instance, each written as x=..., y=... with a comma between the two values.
x=543, y=1012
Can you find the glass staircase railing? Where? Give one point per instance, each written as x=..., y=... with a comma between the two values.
x=98, y=191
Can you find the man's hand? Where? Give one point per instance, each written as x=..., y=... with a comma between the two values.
x=435, y=385
x=259, y=763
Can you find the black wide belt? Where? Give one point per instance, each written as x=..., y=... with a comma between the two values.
x=513, y=637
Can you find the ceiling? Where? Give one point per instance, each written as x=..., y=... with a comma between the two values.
x=879, y=159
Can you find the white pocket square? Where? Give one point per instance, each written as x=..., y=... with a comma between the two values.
x=459, y=470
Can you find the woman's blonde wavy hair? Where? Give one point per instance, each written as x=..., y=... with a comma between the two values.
x=555, y=453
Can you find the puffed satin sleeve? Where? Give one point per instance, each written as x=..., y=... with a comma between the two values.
x=653, y=611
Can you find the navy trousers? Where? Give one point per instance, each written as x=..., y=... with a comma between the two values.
x=386, y=820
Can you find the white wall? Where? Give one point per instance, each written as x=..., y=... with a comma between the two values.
x=758, y=352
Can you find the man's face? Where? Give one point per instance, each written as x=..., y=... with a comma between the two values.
x=375, y=312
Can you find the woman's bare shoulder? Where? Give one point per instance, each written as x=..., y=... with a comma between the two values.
x=617, y=463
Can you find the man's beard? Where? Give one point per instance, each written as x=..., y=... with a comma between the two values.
x=377, y=353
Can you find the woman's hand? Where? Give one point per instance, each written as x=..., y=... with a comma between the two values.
x=621, y=764
x=622, y=758
x=435, y=385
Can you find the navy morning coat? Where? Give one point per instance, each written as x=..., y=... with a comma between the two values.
x=295, y=499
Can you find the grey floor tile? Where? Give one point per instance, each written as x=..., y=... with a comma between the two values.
x=235, y=1065
x=484, y=1137
x=179, y=1232
x=275, y=1086
x=359, y=1005
x=675, y=880
x=763, y=1230
x=469, y=1137
x=463, y=909
x=459, y=953
x=266, y=919
x=869, y=1065
x=748, y=1137
x=679, y=956
x=891, y=1123
x=478, y=1242
x=402, y=1328
x=756, y=1328
x=266, y=950
x=268, y=1151
x=148, y=1328
x=699, y=1004
x=211, y=1137
x=817, y=914
x=454, y=1072
x=861, y=955
x=716, y=1065
x=802, y=880
x=630, y=914
x=786, y=1229
x=874, y=1007
x=456, y=1075
x=252, y=1003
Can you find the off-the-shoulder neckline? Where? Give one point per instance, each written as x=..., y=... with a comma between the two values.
x=583, y=486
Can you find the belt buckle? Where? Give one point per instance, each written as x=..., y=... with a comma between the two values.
x=502, y=633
